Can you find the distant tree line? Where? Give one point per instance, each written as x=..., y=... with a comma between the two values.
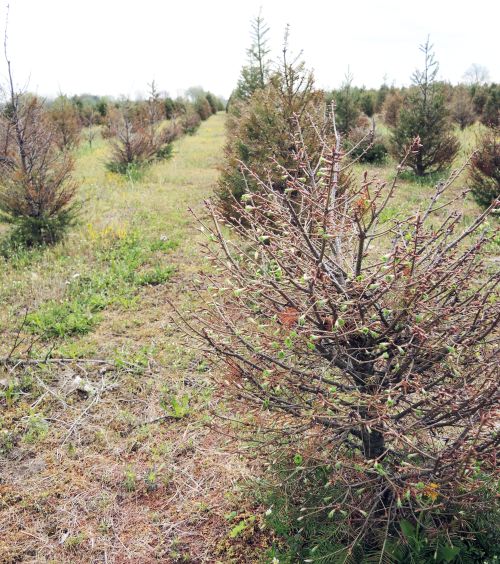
x=374, y=123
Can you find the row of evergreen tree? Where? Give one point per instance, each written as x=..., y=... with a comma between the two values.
x=271, y=97
x=38, y=195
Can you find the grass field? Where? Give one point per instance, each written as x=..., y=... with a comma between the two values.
x=109, y=454
x=85, y=477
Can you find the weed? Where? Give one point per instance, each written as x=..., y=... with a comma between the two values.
x=151, y=480
x=105, y=526
x=430, y=179
x=10, y=392
x=36, y=429
x=133, y=171
x=156, y=276
x=238, y=529
x=7, y=441
x=73, y=542
x=115, y=283
x=164, y=244
x=175, y=406
x=130, y=480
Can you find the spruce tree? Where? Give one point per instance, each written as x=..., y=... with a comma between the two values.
x=347, y=105
x=254, y=75
x=424, y=114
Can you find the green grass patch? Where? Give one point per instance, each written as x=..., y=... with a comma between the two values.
x=306, y=516
x=123, y=266
x=430, y=179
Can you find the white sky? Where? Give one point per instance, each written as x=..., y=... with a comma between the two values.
x=116, y=47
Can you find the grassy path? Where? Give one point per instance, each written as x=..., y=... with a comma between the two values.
x=84, y=477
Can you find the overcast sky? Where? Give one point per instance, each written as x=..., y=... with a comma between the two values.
x=117, y=47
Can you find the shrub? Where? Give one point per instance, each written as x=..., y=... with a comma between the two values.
x=462, y=111
x=424, y=114
x=137, y=141
x=36, y=189
x=484, y=174
x=366, y=146
x=365, y=344
x=67, y=125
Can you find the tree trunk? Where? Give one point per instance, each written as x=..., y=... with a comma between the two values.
x=419, y=165
x=373, y=443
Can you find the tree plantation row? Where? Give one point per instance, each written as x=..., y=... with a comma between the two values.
x=38, y=194
x=303, y=367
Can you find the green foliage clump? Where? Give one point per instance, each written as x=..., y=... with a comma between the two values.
x=366, y=146
x=295, y=494
x=28, y=231
x=484, y=174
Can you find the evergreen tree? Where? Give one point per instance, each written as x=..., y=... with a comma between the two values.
x=254, y=75
x=367, y=103
x=347, y=105
x=424, y=114
x=266, y=127
x=484, y=173
x=462, y=111
x=491, y=111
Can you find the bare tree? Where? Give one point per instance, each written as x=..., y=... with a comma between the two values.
x=476, y=74
x=373, y=341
